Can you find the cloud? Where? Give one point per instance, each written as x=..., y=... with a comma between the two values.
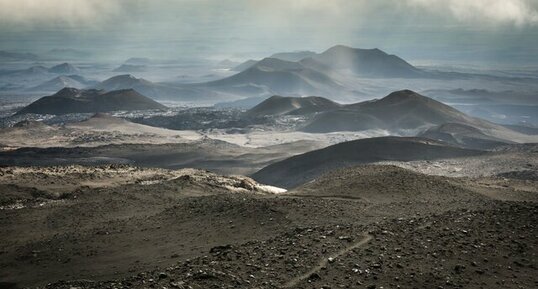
x=515, y=12
x=72, y=12
x=275, y=13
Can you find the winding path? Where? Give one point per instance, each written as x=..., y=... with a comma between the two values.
x=324, y=261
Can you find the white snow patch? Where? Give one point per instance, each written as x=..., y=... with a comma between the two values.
x=271, y=189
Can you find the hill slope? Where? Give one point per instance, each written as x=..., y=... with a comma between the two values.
x=279, y=77
x=278, y=105
x=64, y=68
x=72, y=100
x=130, y=68
x=332, y=73
x=293, y=56
x=399, y=110
x=11, y=56
x=306, y=167
x=63, y=81
x=385, y=184
x=244, y=65
x=126, y=81
x=155, y=90
x=407, y=112
x=363, y=62
x=464, y=135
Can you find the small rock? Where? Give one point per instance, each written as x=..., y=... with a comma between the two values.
x=314, y=276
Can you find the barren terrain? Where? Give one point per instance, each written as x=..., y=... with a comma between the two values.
x=384, y=226
x=296, y=170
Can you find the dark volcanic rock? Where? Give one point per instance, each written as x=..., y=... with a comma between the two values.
x=303, y=168
x=403, y=109
x=278, y=105
x=385, y=184
x=72, y=100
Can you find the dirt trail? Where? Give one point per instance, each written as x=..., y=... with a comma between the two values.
x=328, y=197
x=324, y=261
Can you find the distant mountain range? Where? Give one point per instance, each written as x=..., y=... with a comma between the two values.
x=286, y=56
x=245, y=65
x=53, y=54
x=463, y=135
x=64, y=68
x=33, y=71
x=130, y=68
x=275, y=76
x=138, y=61
x=337, y=73
x=308, y=73
x=399, y=110
x=72, y=100
x=63, y=81
x=362, y=62
x=15, y=56
x=67, y=54
x=155, y=90
x=506, y=107
x=292, y=74
x=402, y=112
x=293, y=56
x=37, y=74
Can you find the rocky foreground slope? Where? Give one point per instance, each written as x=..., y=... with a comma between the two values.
x=127, y=227
x=489, y=248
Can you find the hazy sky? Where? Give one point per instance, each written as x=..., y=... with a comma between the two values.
x=487, y=31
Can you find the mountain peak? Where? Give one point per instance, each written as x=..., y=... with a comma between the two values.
x=37, y=69
x=276, y=64
x=72, y=100
x=123, y=76
x=67, y=92
x=293, y=56
x=274, y=97
x=405, y=94
x=126, y=92
x=347, y=49
x=62, y=81
x=138, y=60
x=64, y=68
x=400, y=110
x=245, y=65
x=122, y=79
x=279, y=105
x=364, y=62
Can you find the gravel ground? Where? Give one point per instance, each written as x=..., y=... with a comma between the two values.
x=385, y=227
